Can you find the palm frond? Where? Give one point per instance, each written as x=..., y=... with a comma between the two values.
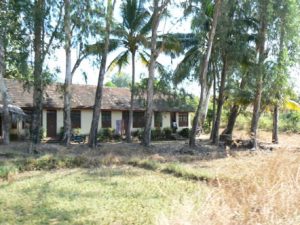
x=292, y=105
x=145, y=61
x=121, y=60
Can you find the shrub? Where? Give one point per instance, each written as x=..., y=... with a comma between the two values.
x=105, y=134
x=167, y=132
x=290, y=122
x=185, y=132
x=156, y=134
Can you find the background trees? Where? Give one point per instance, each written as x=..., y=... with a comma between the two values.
x=247, y=54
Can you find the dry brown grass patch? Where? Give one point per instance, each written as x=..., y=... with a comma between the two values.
x=267, y=193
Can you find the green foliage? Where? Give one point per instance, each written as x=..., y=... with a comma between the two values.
x=109, y=84
x=157, y=134
x=167, y=132
x=120, y=80
x=105, y=134
x=185, y=132
x=290, y=122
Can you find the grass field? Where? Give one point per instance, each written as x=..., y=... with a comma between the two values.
x=136, y=187
x=115, y=195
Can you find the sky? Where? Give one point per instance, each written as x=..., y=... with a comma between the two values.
x=92, y=70
x=88, y=67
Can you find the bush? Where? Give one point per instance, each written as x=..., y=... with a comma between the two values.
x=167, y=132
x=156, y=134
x=185, y=132
x=105, y=134
x=290, y=122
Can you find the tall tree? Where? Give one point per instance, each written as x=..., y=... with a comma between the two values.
x=44, y=36
x=203, y=72
x=78, y=26
x=132, y=34
x=261, y=55
x=68, y=74
x=98, y=97
x=159, y=8
x=39, y=8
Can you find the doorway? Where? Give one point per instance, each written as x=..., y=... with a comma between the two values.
x=51, y=123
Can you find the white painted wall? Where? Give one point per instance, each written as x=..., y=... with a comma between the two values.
x=166, y=118
x=86, y=119
x=115, y=115
x=59, y=120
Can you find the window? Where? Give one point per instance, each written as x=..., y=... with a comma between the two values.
x=138, y=119
x=157, y=119
x=183, y=119
x=106, y=119
x=76, y=119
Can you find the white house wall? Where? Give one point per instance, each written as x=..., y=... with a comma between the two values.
x=115, y=115
x=166, y=119
x=87, y=114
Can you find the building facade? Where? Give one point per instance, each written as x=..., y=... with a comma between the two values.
x=114, y=113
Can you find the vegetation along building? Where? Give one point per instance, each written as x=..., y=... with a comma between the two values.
x=114, y=113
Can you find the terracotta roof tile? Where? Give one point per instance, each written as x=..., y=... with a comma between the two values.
x=83, y=96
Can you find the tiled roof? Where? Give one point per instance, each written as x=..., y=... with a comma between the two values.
x=83, y=96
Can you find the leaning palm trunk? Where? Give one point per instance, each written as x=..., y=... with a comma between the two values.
x=68, y=76
x=98, y=97
x=203, y=74
x=4, y=94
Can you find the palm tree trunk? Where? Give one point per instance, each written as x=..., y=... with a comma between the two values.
x=203, y=73
x=5, y=114
x=259, y=81
x=98, y=97
x=275, y=125
x=215, y=136
x=130, y=120
x=68, y=76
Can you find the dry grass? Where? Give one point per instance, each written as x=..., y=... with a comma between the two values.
x=268, y=193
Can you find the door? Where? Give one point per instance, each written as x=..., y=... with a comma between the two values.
x=51, y=123
x=172, y=118
x=173, y=122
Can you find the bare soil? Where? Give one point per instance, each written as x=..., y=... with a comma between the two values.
x=166, y=150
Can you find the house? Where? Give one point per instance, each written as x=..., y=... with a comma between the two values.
x=114, y=114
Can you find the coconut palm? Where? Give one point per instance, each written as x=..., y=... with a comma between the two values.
x=132, y=34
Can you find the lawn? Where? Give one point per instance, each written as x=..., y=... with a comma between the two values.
x=107, y=195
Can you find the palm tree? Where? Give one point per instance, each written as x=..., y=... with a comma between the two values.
x=132, y=33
